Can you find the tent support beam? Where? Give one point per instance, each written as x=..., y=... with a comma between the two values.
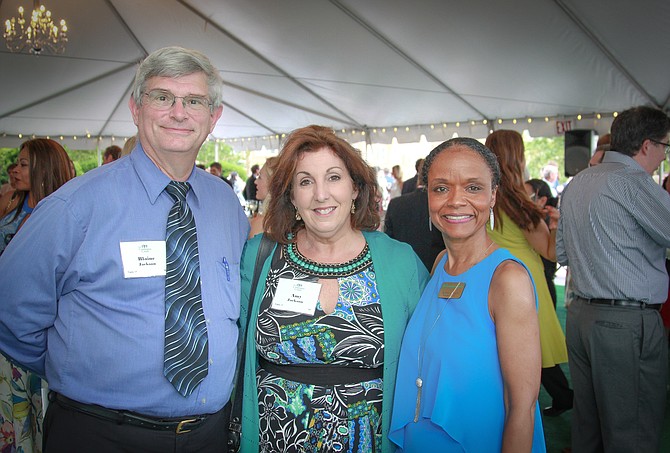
x=235, y=109
x=388, y=43
x=287, y=103
x=67, y=90
x=129, y=31
x=265, y=60
x=577, y=21
x=116, y=107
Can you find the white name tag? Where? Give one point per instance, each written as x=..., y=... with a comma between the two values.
x=143, y=259
x=298, y=296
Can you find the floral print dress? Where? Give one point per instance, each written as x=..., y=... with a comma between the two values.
x=20, y=409
x=300, y=417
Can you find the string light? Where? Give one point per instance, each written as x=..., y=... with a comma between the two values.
x=362, y=132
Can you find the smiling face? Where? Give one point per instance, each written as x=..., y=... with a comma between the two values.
x=460, y=195
x=323, y=193
x=175, y=132
x=22, y=170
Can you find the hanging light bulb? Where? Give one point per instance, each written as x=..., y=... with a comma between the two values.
x=37, y=33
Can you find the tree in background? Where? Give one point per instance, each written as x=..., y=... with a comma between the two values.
x=539, y=151
x=7, y=156
x=230, y=160
x=542, y=150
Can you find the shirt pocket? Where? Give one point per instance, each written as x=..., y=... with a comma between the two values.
x=228, y=281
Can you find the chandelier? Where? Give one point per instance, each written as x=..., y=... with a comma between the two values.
x=38, y=33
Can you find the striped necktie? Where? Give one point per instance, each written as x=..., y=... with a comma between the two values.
x=186, y=349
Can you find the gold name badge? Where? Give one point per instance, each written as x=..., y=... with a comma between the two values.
x=451, y=290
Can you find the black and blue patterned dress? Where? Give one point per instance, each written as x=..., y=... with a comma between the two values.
x=297, y=416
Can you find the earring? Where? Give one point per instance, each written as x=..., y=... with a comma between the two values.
x=491, y=218
x=353, y=206
x=297, y=215
x=430, y=224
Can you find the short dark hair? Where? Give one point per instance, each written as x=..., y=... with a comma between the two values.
x=114, y=151
x=418, y=163
x=542, y=189
x=216, y=165
x=633, y=126
x=475, y=145
x=255, y=168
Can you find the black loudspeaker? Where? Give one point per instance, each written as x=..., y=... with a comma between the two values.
x=580, y=145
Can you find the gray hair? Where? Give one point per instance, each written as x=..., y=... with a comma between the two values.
x=176, y=62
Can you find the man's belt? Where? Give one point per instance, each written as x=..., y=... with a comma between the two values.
x=622, y=303
x=178, y=426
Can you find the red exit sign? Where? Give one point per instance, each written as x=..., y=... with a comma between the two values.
x=563, y=126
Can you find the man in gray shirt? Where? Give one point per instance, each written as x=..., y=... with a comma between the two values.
x=613, y=231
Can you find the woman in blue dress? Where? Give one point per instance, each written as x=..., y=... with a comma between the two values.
x=469, y=371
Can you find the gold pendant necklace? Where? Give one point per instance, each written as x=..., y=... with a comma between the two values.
x=422, y=346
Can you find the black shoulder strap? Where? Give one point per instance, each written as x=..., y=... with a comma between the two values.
x=235, y=425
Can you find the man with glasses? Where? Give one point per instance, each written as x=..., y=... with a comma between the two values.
x=613, y=231
x=129, y=306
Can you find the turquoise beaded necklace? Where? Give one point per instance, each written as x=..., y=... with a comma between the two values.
x=298, y=261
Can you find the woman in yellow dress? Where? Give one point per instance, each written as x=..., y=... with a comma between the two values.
x=519, y=226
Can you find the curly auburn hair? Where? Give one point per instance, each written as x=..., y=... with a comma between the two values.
x=280, y=219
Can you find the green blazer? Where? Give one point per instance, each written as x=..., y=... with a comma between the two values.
x=401, y=277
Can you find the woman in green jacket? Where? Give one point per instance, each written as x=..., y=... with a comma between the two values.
x=330, y=307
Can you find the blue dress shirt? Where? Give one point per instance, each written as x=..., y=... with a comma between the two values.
x=68, y=313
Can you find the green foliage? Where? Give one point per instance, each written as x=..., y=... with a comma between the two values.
x=539, y=151
x=542, y=150
x=84, y=160
x=228, y=158
x=227, y=168
x=7, y=156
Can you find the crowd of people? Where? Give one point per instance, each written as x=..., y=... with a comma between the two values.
x=349, y=310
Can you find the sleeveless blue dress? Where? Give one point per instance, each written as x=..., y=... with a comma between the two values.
x=462, y=406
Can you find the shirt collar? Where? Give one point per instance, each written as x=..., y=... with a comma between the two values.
x=620, y=158
x=154, y=180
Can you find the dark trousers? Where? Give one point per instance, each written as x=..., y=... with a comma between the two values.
x=556, y=384
x=619, y=368
x=69, y=431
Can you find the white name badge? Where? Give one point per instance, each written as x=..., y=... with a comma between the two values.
x=298, y=296
x=143, y=258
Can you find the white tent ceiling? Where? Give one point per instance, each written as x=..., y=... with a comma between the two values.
x=423, y=67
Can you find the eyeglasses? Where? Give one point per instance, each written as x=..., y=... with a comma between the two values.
x=667, y=145
x=164, y=100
